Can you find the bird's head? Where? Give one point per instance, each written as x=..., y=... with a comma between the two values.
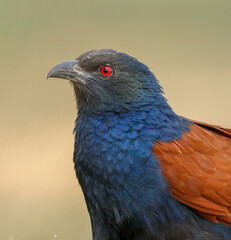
x=107, y=79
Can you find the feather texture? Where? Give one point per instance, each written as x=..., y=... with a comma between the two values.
x=198, y=170
x=135, y=191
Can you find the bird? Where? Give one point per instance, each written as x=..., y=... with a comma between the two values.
x=146, y=173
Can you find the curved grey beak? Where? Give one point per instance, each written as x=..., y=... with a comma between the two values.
x=64, y=70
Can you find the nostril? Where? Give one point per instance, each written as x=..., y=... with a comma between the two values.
x=77, y=67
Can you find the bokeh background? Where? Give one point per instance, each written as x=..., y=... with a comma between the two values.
x=185, y=43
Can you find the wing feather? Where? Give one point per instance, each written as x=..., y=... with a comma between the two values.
x=198, y=170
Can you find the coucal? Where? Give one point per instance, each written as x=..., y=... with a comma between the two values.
x=146, y=173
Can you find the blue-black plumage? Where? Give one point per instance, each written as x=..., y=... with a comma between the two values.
x=122, y=113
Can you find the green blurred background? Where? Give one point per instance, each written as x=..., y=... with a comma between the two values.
x=186, y=43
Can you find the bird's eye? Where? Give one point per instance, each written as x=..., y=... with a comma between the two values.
x=106, y=70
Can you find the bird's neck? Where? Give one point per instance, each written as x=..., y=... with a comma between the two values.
x=151, y=96
x=151, y=116
x=117, y=107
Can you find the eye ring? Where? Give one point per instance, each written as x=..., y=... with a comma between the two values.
x=106, y=70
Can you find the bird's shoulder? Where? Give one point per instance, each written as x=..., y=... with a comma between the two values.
x=198, y=169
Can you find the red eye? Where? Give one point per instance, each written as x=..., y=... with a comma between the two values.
x=106, y=71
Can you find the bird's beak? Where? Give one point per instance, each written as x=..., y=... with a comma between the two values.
x=67, y=70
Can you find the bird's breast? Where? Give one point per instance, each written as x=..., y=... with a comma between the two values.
x=114, y=161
